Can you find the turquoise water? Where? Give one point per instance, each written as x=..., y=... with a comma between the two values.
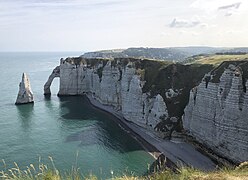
x=60, y=127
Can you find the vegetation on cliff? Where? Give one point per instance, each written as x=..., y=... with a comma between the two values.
x=222, y=61
x=140, y=53
x=215, y=59
x=177, y=54
x=173, y=79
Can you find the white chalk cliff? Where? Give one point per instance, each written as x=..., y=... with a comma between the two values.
x=25, y=94
x=217, y=115
x=118, y=86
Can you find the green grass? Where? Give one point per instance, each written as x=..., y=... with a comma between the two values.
x=193, y=174
x=216, y=59
x=42, y=172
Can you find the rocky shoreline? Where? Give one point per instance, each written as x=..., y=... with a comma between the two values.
x=175, y=153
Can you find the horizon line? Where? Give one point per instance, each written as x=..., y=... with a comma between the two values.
x=97, y=49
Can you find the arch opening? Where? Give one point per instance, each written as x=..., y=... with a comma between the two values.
x=47, y=86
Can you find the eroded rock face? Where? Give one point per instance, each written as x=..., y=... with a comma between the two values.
x=118, y=86
x=146, y=92
x=217, y=115
x=55, y=73
x=25, y=94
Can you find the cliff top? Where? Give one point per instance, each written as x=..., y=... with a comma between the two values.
x=171, y=54
x=177, y=54
x=139, y=63
x=216, y=59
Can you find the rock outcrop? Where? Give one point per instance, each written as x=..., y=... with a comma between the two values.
x=217, y=112
x=25, y=94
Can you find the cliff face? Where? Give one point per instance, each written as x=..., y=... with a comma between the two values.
x=117, y=85
x=217, y=112
x=152, y=94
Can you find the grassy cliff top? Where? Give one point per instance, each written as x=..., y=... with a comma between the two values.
x=171, y=54
x=115, y=61
x=216, y=59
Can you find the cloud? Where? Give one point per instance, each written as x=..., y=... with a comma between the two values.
x=195, y=34
x=231, y=6
x=180, y=23
x=14, y=12
x=63, y=4
x=65, y=24
x=164, y=34
x=206, y=6
x=204, y=25
x=232, y=32
x=224, y=7
x=34, y=5
x=229, y=10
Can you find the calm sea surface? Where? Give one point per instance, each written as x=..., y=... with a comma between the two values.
x=60, y=127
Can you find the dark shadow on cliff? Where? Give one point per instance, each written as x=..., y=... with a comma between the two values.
x=98, y=127
x=25, y=112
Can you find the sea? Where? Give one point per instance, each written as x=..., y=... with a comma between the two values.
x=65, y=131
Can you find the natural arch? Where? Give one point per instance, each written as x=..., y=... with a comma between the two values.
x=55, y=73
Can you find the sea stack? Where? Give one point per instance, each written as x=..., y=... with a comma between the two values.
x=25, y=94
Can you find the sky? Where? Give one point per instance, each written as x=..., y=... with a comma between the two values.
x=87, y=25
